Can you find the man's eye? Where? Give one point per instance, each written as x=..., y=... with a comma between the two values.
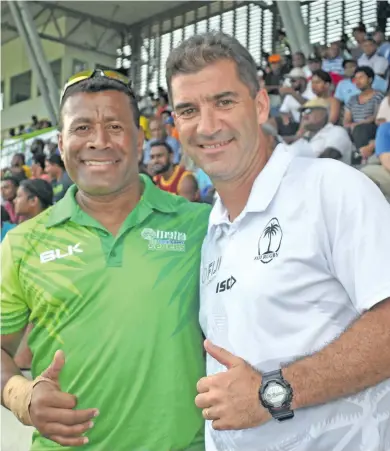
x=225, y=102
x=115, y=127
x=82, y=128
x=188, y=112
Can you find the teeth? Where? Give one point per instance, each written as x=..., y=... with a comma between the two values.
x=214, y=146
x=98, y=163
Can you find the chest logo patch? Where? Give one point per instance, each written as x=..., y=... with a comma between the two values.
x=270, y=241
x=160, y=240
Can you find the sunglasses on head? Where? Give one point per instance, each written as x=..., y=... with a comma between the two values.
x=87, y=74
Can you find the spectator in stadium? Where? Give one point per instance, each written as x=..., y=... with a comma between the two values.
x=79, y=271
x=299, y=61
x=380, y=173
x=6, y=224
x=334, y=60
x=60, y=179
x=359, y=33
x=322, y=135
x=169, y=124
x=321, y=84
x=9, y=188
x=158, y=133
x=273, y=80
x=361, y=109
x=19, y=168
x=163, y=104
x=347, y=88
x=32, y=198
x=34, y=122
x=22, y=130
x=383, y=114
x=189, y=189
x=167, y=175
x=371, y=59
x=314, y=63
x=294, y=235
x=383, y=44
x=287, y=123
x=38, y=167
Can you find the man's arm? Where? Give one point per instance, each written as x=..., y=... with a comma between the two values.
x=384, y=158
x=358, y=359
x=9, y=346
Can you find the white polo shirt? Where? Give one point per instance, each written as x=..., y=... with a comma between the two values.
x=332, y=136
x=309, y=254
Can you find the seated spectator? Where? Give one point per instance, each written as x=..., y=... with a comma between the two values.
x=166, y=175
x=60, y=179
x=325, y=139
x=299, y=62
x=361, y=109
x=38, y=167
x=9, y=187
x=33, y=197
x=321, y=84
x=158, y=133
x=360, y=34
x=383, y=45
x=6, y=224
x=347, y=88
x=162, y=104
x=34, y=122
x=189, y=189
x=273, y=80
x=287, y=122
x=370, y=58
x=334, y=60
x=380, y=173
x=383, y=114
x=19, y=168
x=204, y=183
x=170, y=128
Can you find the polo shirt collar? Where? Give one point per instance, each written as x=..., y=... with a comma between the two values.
x=263, y=190
x=153, y=199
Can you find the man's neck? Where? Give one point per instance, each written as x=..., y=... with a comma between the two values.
x=168, y=174
x=234, y=194
x=111, y=210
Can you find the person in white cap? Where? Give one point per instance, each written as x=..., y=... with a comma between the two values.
x=295, y=286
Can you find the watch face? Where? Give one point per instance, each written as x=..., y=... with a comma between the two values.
x=275, y=394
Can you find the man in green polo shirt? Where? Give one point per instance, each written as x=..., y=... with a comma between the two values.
x=108, y=276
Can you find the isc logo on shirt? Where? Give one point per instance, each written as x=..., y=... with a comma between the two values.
x=55, y=254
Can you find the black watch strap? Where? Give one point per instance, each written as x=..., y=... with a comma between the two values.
x=279, y=413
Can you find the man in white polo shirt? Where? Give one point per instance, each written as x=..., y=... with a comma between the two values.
x=295, y=285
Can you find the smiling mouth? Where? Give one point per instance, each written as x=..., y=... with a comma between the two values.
x=99, y=162
x=216, y=145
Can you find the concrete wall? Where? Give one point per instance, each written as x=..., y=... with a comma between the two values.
x=14, y=61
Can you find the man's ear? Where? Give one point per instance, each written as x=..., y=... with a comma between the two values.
x=262, y=106
x=60, y=144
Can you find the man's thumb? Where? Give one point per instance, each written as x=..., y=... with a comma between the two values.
x=54, y=369
x=223, y=356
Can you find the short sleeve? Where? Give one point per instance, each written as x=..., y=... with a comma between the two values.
x=381, y=65
x=339, y=93
x=357, y=218
x=382, y=139
x=14, y=309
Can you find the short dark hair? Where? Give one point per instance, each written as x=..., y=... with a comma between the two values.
x=12, y=179
x=40, y=159
x=21, y=156
x=201, y=50
x=56, y=159
x=41, y=189
x=100, y=84
x=370, y=39
x=345, y=62
x=322, y=75
x=366, y=70
x=161, y=142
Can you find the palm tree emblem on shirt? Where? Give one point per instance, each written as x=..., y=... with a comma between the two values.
x=270, y=240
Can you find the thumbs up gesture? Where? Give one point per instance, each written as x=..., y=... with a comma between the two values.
x=53, y=412
x=231, y=399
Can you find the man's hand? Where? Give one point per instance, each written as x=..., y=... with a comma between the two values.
x=231, y=399
x=51, y=410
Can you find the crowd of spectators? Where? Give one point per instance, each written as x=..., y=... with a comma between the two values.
x=333, y=104
x=35, y=125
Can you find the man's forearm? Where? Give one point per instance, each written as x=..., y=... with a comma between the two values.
x=8, y=369
x=358, y=359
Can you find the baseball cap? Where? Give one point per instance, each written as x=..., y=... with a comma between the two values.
x=297, y=72
x=315, y=103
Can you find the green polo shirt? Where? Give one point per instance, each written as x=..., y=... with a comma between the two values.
x=124, y=310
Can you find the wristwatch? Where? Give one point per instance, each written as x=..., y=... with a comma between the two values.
x=276, y=395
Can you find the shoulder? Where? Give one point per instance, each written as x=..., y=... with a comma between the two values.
x=378, y=96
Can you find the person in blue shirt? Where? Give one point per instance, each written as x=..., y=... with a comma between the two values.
x=158, y=133
x=383, y=45
x=6, y=224
x=347, y=88
x=380, y=173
